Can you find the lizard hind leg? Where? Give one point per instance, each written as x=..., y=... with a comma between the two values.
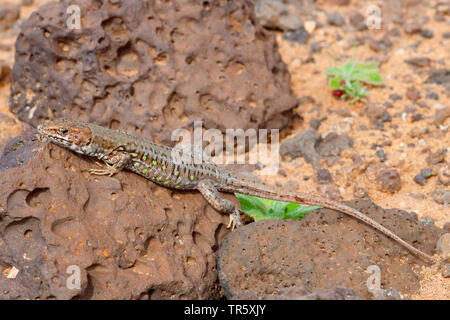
x=210, y=193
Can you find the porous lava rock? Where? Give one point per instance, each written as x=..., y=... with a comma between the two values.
x=150, y=67
x=127, y=237
x=325, y=250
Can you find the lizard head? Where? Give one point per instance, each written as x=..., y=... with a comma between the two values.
x=73, y=134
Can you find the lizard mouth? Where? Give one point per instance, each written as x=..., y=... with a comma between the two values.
x=52, y=136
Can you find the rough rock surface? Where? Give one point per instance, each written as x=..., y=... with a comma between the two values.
x=324, y=250
x=130, y=238
x=150, y=67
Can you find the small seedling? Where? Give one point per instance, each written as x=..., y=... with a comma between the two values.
x=346, y=81
x=261, y=209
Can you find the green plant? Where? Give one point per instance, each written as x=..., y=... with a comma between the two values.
x=261, y=209
x=346, y=81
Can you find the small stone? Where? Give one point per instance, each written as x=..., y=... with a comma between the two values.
x=360, y=192
x=443, y=246
x=441, y=116
x=386, y=117
x=388, y=180
x=441, y=196
x=412, y=27
x=310, y=26
x=380, y=153
x=358, y=20
x=419, y=62
x=436, y=157
x=395, y=97
x=413, y=94
x=417, y=117
x=427, y=33
x=323, y=175
x=419, y=179
x=433, y=96
x=336, y=19
x=330, y=191
x=381, y=45
x=300, y=35
x=427, y=221
x=316, y=47
x=440, y=76
x=314, y=123
x=444, y=175
x=373, y=111
x=446, y=271
x=446, y=35
x=426, y=172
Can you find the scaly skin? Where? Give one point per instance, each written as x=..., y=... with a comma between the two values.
x=155, y=162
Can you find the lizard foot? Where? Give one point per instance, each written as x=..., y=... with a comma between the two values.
x=235, y=220
x=110, y=171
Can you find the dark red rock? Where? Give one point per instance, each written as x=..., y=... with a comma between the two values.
x=413, y=94
x=324, y=250
x=437, y=157
x=150, y=67
x=388, y=180
x=130, y=238
x=419, y=62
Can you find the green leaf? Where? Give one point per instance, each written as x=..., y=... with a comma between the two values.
x=335, y=83
x=348, y=68
x=334, y=71
x=260, y=209
x=371, y=78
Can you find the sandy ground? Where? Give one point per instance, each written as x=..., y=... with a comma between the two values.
x=308, y=79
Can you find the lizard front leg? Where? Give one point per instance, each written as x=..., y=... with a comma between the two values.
x=213, y=197
x=118, y=159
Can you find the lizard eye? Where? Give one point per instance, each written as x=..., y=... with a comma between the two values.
x=64, y=131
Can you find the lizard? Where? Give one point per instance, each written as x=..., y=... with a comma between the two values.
x=155, y=162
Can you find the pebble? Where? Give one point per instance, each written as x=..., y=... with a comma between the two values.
x=426, y=172
x=413, y=94
x=388, y=180
x=444, y=175
x=433, y=96
x=427, y=33
x=380, y=153
x=417, y=117
x=419, y=179
x=395, y=97
x=419, y=62
x=336, y=19
x=441, y=116
x=310, y=26
x=323, y=175
x=300, y=35
x=436, y=157
x=358, y=21
x=443, y=246
x=380, y=45
x=412, y=27
x=446, y=271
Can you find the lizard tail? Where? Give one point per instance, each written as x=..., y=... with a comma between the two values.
x=360, y=216
x=308, y=199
